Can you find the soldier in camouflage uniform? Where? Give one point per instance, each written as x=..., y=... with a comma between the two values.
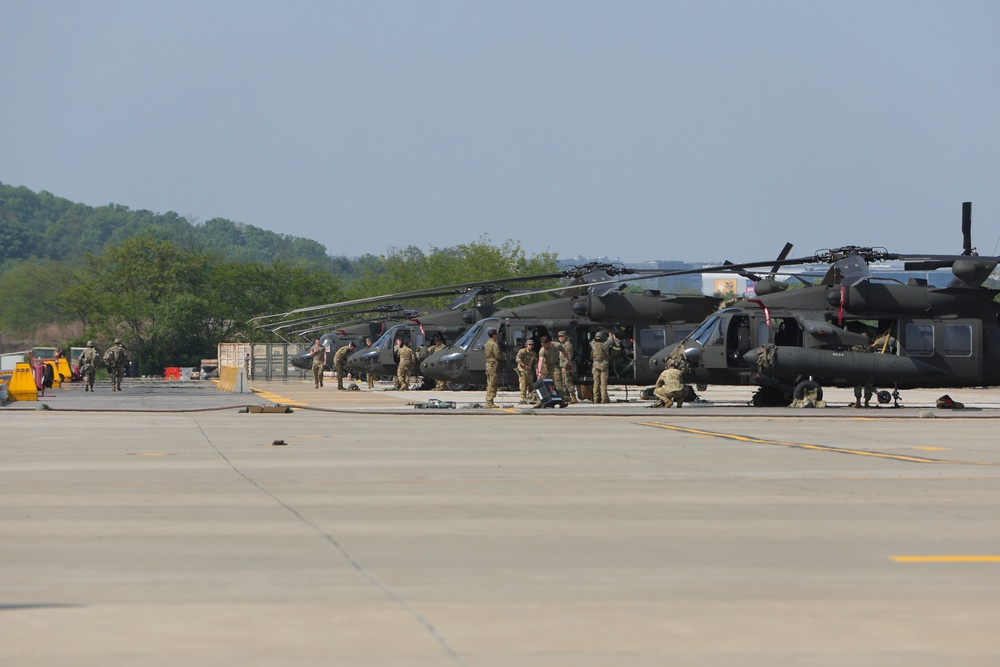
x=370, y=377
x=340, y=362
x=548, y=361
x=116, y=359
x=600, y=356
x=405, y=366
x=670, y=387
x=526, y=360
x=492, y=350
x=438, y=345
x=88, y=365
x=318, y=354
x=566, y=369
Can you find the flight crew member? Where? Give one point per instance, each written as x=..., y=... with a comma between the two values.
x=88, y=365
x=566, y=368
x=600, y=356
x=670, y=387
x=116, y=358
x=884, y=344
x=340, y=362
x=438, y=345
x=492, y=350
x=369, y=376
x=404, y=367
x=526, y=360
x=548, y=360
x=318, y=354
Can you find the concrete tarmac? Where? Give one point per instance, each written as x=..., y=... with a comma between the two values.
x=162, y=526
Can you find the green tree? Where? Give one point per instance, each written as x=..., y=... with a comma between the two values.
x=140, y=290
x=32, y=295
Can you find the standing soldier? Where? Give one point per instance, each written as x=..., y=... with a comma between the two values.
x=670, y=387
x=600, y=355
x=404, y=367
x=116, y=358
x=88, y=365
x=340, y=362
x=492, y=350
x=548, y=360
x=438, y=345
x=318, y=354
x=566, y=368
x=526, y=361
x=369, y=376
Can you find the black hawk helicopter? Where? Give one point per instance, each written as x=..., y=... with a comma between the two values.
x=642, y=322
x=418, y=327
x=853, y=329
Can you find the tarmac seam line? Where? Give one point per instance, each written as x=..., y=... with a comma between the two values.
x=371, y=578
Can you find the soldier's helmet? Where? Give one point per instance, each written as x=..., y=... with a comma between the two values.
x=600, y=336
x=90, y=343
x=118, y=341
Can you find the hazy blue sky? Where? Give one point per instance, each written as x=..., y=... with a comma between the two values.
x=695, y=130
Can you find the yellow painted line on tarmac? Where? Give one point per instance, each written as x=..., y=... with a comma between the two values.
x=945, y=559
x=276, y=398
x=820, y=448
x=934, y=449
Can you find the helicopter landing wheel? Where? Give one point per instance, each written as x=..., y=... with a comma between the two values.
x=807, y=385
x=883, y=397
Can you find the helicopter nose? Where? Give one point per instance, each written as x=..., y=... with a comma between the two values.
x=366, y=360
x=452, y=364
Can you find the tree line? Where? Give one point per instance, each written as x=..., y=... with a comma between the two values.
x=172, y=294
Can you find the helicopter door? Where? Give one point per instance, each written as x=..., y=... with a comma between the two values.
x=737, y=340
x=648, y=341
x=713, y=348
x=955, y=344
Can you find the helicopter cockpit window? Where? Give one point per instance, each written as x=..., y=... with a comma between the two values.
x=715, y=335
x=385, y=340
x=958, y=340
x=469, y=336
x=652, y=341
x=480, y=341
x=703, y=333
x=919, y=340
x=681, y=334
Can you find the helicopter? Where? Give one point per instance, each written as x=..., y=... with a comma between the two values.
x=787, y=341
x=642, y=322
x=418, y=327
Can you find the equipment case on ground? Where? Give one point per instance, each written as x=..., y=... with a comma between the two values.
x=548, y=397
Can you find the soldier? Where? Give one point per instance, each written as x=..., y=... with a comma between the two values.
x=670, y=387
x=526, y=360
x=438, y=345
x=566, y=368
x=116, y=358
x=884, y=344
x=369, y=376
x=600, y=355
x=88, y=365
x=318, y=354
x=492, y=350
x=340, y=362
x=405, y=365
x=548, y=360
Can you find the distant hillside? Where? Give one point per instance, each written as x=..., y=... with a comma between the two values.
x=43, y=226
